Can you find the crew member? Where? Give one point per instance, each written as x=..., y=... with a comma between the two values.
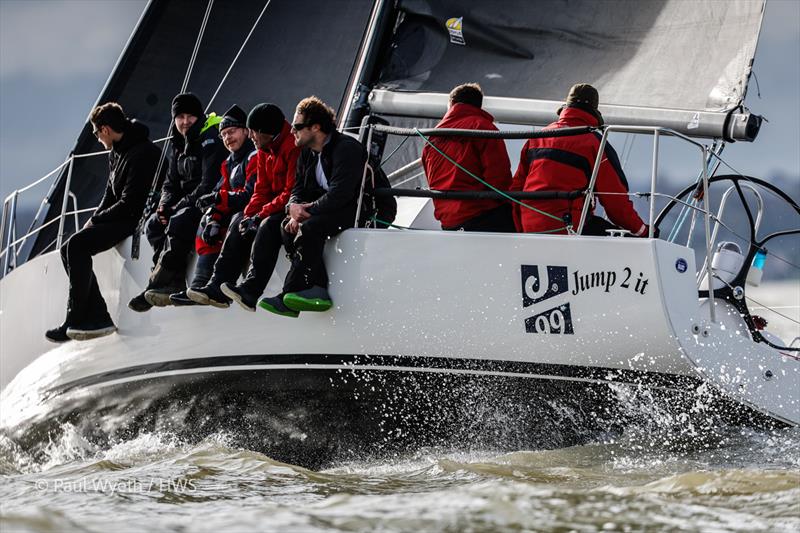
x=229, y=197
x=323, y=203
x=485, y=158
x=256, y=231
x=133, y=162
x=565, y=164
x=194, y=162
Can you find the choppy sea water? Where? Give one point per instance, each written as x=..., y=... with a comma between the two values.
x=746, y=481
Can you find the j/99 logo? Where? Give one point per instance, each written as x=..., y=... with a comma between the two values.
x=556, y=320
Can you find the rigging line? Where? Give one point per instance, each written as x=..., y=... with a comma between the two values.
x=241, y=49
x=413, y=177
x=701, y=210
x=762, y=306
x=394, y=151
x=197, y=46
x=495, y=189
x=629, y=149
x=152, y=194
x=790, y=319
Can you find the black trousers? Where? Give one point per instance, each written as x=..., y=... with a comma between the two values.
x=85, y=301
x=497, y=220
x=262, y=247
x=173, y=244
x=305, y=250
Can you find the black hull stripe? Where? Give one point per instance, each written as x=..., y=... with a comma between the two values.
x=392, y=362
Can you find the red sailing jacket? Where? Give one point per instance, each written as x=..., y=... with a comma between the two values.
x=565, y=164
x=276, y=169
x=233, y=197
x=486, y=158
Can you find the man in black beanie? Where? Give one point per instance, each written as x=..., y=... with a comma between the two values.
x=256, y=232
x=229, y=197
x=133, y=161
x=193, y=168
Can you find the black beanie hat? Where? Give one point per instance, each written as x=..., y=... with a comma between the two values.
x=585, y=97
x=187, y=103
x=266, y=118
x=235, y=117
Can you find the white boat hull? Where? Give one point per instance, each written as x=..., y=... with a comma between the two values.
x=578, y=309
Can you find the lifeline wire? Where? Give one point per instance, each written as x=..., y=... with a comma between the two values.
x=495, y=189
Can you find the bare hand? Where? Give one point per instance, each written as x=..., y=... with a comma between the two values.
x=292, y=226
x=299, y=212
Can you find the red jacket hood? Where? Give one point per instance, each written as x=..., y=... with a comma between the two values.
x=284, y=142
x=573, y=116
x=458, y=112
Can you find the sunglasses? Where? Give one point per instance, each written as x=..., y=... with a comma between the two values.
x=299, y=126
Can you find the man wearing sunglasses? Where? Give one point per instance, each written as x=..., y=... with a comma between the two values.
x=323, y=203
x=133, y=161
x=193, y=168
x=256, y=231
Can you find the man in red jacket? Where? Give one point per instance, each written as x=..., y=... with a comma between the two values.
x=485, y=158
x=565, y=164
x=258, y=226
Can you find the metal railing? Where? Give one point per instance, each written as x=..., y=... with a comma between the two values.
x=656, y=131
x=10, y=244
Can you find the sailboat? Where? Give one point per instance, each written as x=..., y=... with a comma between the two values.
x=436, y=338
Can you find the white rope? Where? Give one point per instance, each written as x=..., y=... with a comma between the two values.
x=225, y=77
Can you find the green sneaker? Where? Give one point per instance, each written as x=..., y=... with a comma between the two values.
x=275, y=305
x=313, y=299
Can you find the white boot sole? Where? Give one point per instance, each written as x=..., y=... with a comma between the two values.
x=86, y=334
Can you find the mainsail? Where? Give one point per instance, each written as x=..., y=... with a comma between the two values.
x=673, y=62
x=297, y=49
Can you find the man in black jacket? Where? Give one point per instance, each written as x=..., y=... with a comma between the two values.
x=194, y=162
x=323, y=203
x=132, y=164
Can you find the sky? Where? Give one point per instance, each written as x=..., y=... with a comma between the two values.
x=55, y=56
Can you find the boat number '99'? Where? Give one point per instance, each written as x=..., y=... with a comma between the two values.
x=554, y=280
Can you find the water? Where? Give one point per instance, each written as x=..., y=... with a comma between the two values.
x=746, y=481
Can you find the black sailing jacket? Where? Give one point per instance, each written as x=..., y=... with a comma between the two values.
x=132, y=164
x=194, y=164
x=343, y=161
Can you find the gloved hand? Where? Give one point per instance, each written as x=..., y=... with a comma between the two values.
x=207, y=200
x=212, y=233
x=249, y=225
